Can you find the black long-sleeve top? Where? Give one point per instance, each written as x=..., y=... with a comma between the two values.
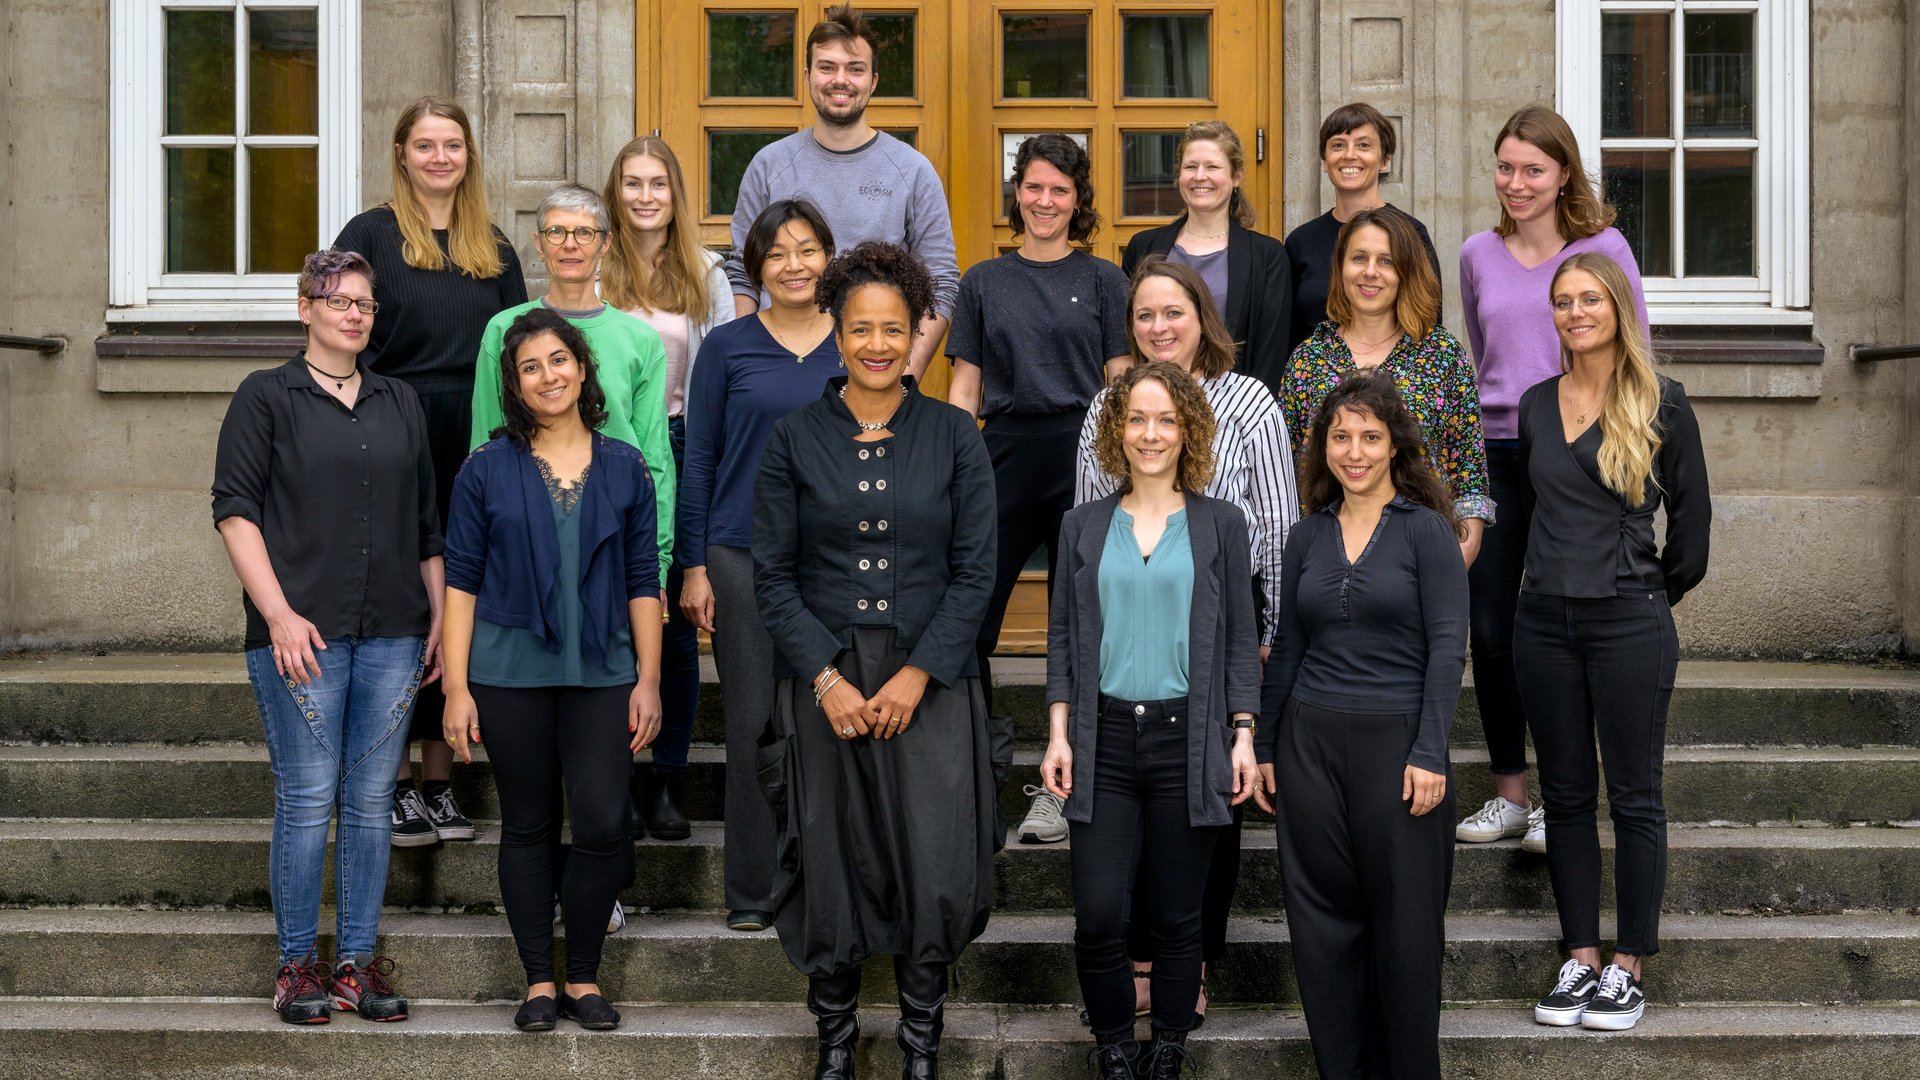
x=344, y=498
x=1258, y=308
x=1310, y=248
x=1584, y=540
x=899, y=532
x=1386, y=633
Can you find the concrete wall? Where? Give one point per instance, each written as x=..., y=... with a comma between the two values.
x=1910, y=606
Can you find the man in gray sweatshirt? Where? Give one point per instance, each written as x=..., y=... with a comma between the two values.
x=870, y=185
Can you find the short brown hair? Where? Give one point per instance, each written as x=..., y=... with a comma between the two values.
x=1353, y=117
x=1578, y=213
x=1196, y=425
x=1216, y=354
x=1417, y=307
x=842, y=25
x=1067, y=155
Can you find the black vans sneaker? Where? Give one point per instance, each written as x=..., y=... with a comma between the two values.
x=1618, y=1003
x=444, y=814
x=1572, y=992
x=411, y=827
x=300, y=992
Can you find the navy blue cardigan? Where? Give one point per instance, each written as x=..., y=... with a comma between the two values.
x=502, y=547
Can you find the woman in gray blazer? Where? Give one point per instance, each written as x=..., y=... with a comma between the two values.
x=1152, y=688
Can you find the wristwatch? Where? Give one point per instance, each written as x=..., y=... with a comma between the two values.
x=1247, y=724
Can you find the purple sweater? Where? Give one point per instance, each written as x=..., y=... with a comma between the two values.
x=1510, y=319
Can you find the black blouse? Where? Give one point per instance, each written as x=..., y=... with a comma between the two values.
x=1584, y=540
x=344, y=498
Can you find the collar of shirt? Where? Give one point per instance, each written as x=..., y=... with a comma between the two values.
x=838, y=406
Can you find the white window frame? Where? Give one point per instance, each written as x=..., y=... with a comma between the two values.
x=140, y=289
x=1779, y=294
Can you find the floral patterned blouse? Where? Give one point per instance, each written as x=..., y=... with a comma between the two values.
x=1437, y=381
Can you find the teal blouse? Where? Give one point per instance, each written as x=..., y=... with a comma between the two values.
x=1146, y=605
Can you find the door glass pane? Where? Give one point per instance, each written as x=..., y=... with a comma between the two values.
x=1166, y=56
x=283, y=73
x=910, y=136
x=283, y=208
x=1719, y=194
x=1636, y=96
x=199, y=210
x=200, y=75
x=750, y=54
x=1720, y=74
x=728, y=153
x=893, y=55
x=1043, y=56
x=1148, y=164
x=1639, y=183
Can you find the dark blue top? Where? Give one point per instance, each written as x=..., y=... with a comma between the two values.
x=1386, y=633
x=743, y=382
x=515, y=656
x=502, y=546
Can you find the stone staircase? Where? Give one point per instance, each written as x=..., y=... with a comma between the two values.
x=135, y=940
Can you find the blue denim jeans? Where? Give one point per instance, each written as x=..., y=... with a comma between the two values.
x=335, y=741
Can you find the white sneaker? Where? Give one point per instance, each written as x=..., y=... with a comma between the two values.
x=1043, y=824
x=1536, y=838
x=616, y=920
x=1497, y=820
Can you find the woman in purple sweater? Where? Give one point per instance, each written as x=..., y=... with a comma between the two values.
x=1549, y=213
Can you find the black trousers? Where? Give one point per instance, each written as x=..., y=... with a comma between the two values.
x=540, y=740
x=1494, y=581
x=1139, y=811
x=1366, y=889
x=449, y=424
x=1601, y=669
x=1033, y=467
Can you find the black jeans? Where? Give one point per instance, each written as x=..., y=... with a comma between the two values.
x=1366, y=889
x=1601, y=668
x=679, y=654
x=1494, y=581
x=1139, y=810
x=539, y=738
x=1033, y=463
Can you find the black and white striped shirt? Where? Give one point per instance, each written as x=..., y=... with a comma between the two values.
x=1253, y=470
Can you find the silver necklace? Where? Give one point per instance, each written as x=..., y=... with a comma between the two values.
x=882, y=425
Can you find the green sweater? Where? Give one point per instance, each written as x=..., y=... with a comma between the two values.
x=632, y=369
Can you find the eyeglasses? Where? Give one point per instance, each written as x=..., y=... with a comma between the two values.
x=798, y=255
x=342, y=303
x=584, y=235
x=1589, y=303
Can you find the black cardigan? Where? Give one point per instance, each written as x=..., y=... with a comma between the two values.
x=1259, y=293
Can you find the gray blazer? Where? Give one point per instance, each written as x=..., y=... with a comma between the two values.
x=1223, y=648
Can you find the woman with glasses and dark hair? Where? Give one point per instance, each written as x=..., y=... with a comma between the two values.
x=553, y=649
x=442, y=270
x=1035, y=334
x=750, y=373
x=323, y=495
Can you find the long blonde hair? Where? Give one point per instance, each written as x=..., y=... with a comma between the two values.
x=679, y=283
x=471, y=244
x=1577, y=213
x=1630, y=432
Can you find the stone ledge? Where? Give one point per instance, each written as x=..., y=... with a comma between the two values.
x=186, y=362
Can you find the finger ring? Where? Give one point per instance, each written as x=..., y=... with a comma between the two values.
x=847, y=731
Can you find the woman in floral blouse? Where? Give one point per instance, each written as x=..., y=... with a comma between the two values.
x=1381, y=314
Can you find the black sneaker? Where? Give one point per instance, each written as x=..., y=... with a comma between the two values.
x=445, y=816
x=365, y=990
x=411, y=827
x=300, y=993
x=1572, y=993
x=1618, y=1003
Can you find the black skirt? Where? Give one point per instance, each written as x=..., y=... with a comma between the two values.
x=884, y=847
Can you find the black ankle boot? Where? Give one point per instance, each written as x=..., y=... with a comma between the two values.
x=923, y=1001
x=834, y=1000
x=664, y=819
x=1113, y=1060
x=1169, y=1057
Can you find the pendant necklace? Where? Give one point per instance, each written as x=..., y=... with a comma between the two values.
x=339, y=381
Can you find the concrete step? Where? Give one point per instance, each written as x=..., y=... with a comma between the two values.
x=149, y=780
x=1020, y=960
x=205, y=698
x=228, y=1041
x=191, y=863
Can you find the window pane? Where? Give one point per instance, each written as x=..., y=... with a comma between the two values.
x=1166, y=56
x=1148, y=164
x=199, y=210
x=1043, y=56
x=910, y=136
x=893, y=53
x=728, y=153
x=1720, y=74
x=1639, y=183
x=200, y=73
x=1636, y=96
x=750, y=54
x=283, y=208
x=283, y=72
x=1719, y=193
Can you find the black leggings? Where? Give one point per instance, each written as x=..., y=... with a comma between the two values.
x=1033, y=464
x=539, y=739
x=1494, y=580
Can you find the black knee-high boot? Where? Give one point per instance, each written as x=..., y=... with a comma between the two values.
x=923, y=1000
x=834, y=1000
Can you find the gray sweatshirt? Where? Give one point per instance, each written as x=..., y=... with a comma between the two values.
x=886, y=190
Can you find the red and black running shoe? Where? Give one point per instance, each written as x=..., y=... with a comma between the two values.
x=300, y=992
x=367, y=991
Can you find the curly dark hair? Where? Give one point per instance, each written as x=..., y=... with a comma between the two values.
x=520, y=425
x=1070, y=158
x=1196, y=425
x=876, y=262
x=1373, y=393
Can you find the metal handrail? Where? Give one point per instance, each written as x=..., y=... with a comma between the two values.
x=1869, y=353
x=34, y=344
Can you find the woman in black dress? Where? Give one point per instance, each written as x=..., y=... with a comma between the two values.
x=873, y=540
